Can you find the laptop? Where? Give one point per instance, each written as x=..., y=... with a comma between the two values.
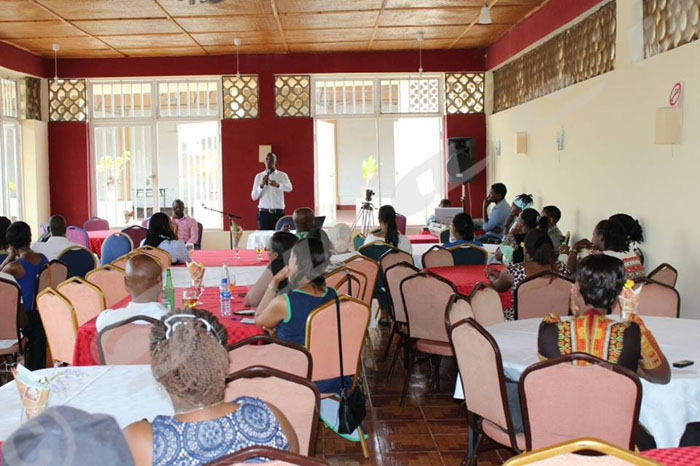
x=445, y=215
x=318, y=221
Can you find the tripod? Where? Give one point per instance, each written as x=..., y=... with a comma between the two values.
x=365, y=217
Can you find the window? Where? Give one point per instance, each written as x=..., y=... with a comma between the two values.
x=344, y=96
x=119, y=99
x=188, y=98
x=10, y=151
x=410, y=95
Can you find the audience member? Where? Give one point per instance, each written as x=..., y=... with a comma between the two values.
x=540, y=256
x=553, y=213
x=144, y=281
x=4, y=224
x=528, y=220
x=281, y=244
x=635, y=233
x=521, y=202
x=443, y=203
x=189, y=359
x=57, y=242
x=186, y=227
x=160, y=235
x=462, y=231
x=305, y=222
x=388, y=231
x=494, y=222
x=67, y=436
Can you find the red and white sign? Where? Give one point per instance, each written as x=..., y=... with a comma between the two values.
x=675, y=95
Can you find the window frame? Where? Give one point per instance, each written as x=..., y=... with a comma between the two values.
x=19, y=166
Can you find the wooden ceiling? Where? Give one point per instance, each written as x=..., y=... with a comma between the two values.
x=121, y=28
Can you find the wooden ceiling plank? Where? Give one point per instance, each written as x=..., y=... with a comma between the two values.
x=276, y=14
x=376, y=25
x=167, y=14
x=471, y=25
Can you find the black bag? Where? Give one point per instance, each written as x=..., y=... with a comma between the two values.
x=351, y=410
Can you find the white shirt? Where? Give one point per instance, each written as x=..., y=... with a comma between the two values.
x=176, y=248
x=113, y=316
x=404, y=243
x=53, y=247
x=271, y=197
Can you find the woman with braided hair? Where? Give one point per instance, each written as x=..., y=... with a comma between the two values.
x=189, y=359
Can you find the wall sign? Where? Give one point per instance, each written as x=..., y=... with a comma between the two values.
x=675, y=95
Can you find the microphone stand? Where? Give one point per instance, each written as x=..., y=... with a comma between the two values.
x=230, y=221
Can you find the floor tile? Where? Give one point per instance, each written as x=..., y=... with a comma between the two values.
x=448, y=426
x=452, y=443
x=411, y=459
x=397, y=414
x=441, y=412
x=406, y=443
x=415, y=427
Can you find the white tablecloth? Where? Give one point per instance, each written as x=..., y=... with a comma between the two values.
x=129, y=393
x=666, y=409
x=259, y=235
x=245, y=276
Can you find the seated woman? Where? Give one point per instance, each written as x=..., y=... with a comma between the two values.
x=388, y=232
x=599, y=281
x=634, y=231
x=520, y=203
x=540, y=256
x=462, y=231
x=527, y=221
x=161, y=235
x=4, y=225
x=24, y=265
x=189, y=360
x=281, y=244
x=610, y=238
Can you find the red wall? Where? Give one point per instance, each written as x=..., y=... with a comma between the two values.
x=69, y=171
x=471, y=125
x=24, y=62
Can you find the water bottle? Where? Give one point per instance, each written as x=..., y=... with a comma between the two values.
x=169, y=291
x=224, y=294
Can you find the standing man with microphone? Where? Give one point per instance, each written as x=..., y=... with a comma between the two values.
x=268, y=189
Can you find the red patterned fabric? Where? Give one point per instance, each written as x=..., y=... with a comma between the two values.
x=465, y=278
x=684, y=456
x=217, y=258
x=423, y=239
x=85, y=352
x=96, y=238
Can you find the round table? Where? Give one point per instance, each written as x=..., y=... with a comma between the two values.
x=261, y=236
x=466, y=277
x=684, y=456
x=666, y=409
x=96, y=238
x=219, y=257
x=423, y=239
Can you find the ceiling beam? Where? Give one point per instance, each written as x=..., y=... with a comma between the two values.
x=276, y=14
x=172, y=20
x=70, y=23
x=471, y=25
x=376, y=25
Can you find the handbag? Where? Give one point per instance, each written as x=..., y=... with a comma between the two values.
x=351, y=410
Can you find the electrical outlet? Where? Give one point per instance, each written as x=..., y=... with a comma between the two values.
x=560, y=140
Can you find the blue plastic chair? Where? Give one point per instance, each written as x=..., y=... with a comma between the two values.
x=466, y=254
x=78, y=236
x=79, y=261
x=114, y=246
x=358, y=240
x=286, y=220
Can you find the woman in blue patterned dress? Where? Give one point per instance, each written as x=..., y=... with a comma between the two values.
x=189, y=359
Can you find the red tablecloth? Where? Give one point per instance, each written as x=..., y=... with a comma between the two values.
x=684, y=456
x=85, y=352
x=423, y=239
x=219, y=257
x=96, y=238
x=465, y=278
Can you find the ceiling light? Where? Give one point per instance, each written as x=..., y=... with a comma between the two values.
x=237, y=43
x=419, y=38
x=55, y=48
x=485, y=16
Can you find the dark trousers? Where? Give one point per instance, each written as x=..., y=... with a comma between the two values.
x=35, y=350
x=268, y=220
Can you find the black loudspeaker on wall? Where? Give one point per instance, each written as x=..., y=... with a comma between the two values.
x=460, y=160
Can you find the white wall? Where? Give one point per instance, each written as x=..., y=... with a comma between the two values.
x=35, y=169
x=610, y=163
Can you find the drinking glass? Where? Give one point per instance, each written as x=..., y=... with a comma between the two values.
x=190, y=297
x=259, y=249
x=236, y=242
x=232, y=283
x=190, y=248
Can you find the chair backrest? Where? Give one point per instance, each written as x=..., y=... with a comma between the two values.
x=121, y=261
x=347, y=281
x=145, y=222
x=566, y=454
x=437, y=256
x=393, y=256
x=458, y=308
x=3, y=256
x=393, y=277
x=51, y=275
x=444, y=235
x=296, y=397
x=664, y=273
x=115, y=246
x=375, y=249
x=469, y=254
x=322, y=337
x=10, y=297
x=564, y=400
x=276, y=457
x=425, y=298
x=78, y=236
x=358, y=240
x=79, y=261
x=110, y=280
x=200, y=232
x=370, y=268
x=486, y=305
x=163, y=256
x=401, y=223
x=86, y=298
x=286, y=220
x=136, y=233
x=481, y=370
x=60, y=324
x=95, y=223
x=125, y=342
x=541, y=295
x=657, y=299
x=274, y=353
x=340, y=236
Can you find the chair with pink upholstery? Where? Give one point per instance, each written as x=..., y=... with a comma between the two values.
x=368, y=267
x=110, y=280
x=322, y=342
x=486, y=305
x=163, y=256
x=51, y=275
x=95, y=223
x=664, y=273
x=566, y=398
x=437, y=256
x=264, y=350
x=567, y=454
x=347, y=281
x=78, y=236
x=10, y=336
x=458, y=308
x=136, y=233
x=541, y=295
x=296, y=397
x=60, y=324
x=276, y=457
x=658, y=299
x=87, y=299
x=121, y=261
x=425, y=297
x=401, y=223
x=394, y=256
x=481, y=371
x=125, y=342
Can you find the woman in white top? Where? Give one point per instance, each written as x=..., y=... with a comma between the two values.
x=388, y=232
x=160, y=235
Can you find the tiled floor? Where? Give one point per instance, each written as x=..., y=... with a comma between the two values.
x=427, y=431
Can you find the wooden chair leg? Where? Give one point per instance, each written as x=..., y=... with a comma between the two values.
x=389, y=342
x=363, y=442
x=370, y=348
x=401, y=345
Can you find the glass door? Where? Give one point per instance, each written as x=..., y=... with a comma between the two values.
x=326, y=192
